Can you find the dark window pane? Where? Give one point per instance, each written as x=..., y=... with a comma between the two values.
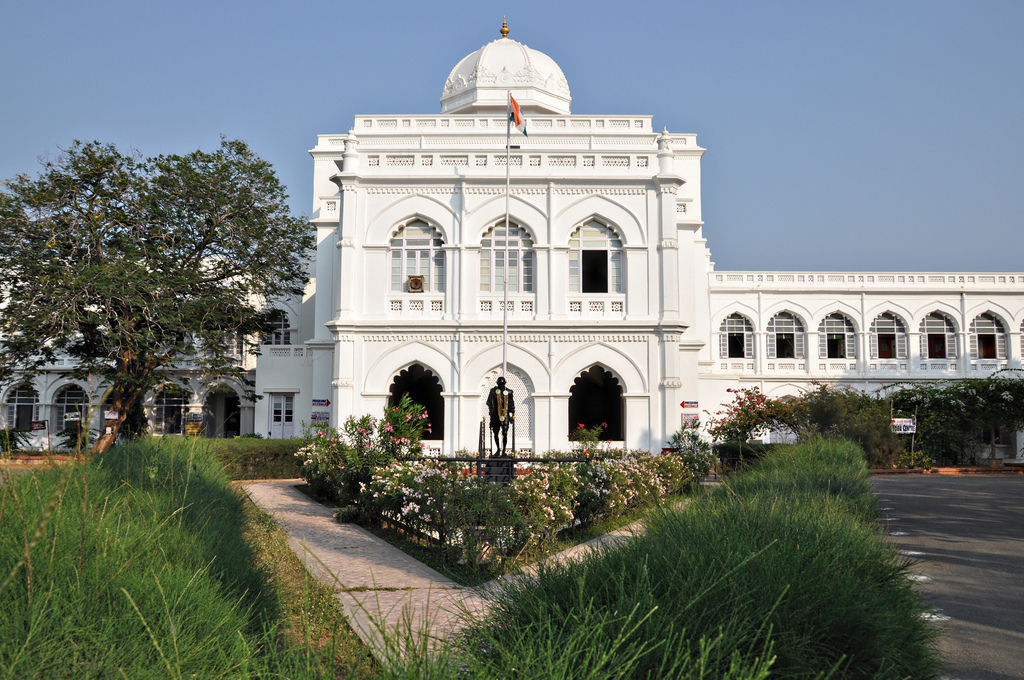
x=987, y=346
x=595, y=271
x=785, y=346
x=936, y=345
x=886, y=346
x=736, y=346
x=836, y=345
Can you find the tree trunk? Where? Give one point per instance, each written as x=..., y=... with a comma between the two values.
x=992, y=447
x=111, y=428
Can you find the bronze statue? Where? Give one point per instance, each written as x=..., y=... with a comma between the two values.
x=501, y=406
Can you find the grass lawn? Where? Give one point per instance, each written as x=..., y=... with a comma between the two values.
x=146, y=563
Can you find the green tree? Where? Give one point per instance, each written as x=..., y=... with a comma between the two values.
x=129, y=266
x=952, y=415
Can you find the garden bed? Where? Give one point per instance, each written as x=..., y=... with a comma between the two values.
x=780, y=572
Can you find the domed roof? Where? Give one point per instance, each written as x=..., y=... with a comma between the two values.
x=480, y=81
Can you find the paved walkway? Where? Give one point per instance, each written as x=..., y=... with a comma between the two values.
x=966, y=535
x=380, y=587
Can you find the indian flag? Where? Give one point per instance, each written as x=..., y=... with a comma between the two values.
x=516, y=116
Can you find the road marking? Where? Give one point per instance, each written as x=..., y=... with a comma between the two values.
x=934, y=616
x=911, y=553
x=921, y=578
x=898, y=533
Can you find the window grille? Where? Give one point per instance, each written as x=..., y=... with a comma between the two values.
x=988, y=339
x=595, y=259
x=785, y=337
x=280, y=331
x=70, y=399
x=520, y=260
x=888, y=337
x=938, y=337
x=736, y=338
x=836, y=338
x=22, y=408
x=416, y=251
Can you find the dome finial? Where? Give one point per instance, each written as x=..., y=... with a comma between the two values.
x=504, y=28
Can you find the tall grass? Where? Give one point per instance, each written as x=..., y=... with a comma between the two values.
x=135, y=565
x=782, y=573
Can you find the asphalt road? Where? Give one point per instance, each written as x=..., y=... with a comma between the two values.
x=966, y=535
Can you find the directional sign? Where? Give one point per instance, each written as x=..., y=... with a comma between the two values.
x=321, y=402
x=904, y=425
x=690, y=404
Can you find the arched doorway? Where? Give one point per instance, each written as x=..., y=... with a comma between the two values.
x=522, y=390
x=424, y=388
x=595, y=398
x=222, y=413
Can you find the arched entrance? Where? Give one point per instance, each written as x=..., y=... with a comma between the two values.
x=595, y=398
x=522, y=390
x=424, y=388
x=222, y=413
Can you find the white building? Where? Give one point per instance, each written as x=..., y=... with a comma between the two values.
x=616, y=313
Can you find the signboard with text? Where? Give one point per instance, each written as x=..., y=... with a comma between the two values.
x=904, y=425
x=690, y=404
x=38, y=425
x=322, y=417
x=321, y=402
x=691, y=418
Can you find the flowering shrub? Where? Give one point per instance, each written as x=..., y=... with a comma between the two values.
x=337, y=464
x=322, y=463
x=749, y=414
x=586, y=441
x=544, y=499
x=401, y=430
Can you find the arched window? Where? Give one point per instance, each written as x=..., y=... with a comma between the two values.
x=888, y=337
x=520, y=260
x=988, y=338
x=22, y=407
x=169, y=414
x=72, y=400
x=595, y=259
x=938, y=337
x=836, y=338
x=280, y=330
x=736, y=339
x=785, y=337
x=416, y=251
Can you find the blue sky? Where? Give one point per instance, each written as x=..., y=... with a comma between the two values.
x=840, y=136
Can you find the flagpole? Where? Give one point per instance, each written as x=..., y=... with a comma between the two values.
x=508, y=184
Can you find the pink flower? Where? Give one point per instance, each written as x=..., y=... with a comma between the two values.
x=388, y=428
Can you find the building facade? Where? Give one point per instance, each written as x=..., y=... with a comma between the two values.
x=616, y=313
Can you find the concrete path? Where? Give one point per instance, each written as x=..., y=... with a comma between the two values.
x=380, y=587
x=966, y=535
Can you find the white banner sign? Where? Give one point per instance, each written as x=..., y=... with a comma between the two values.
x=904, y=425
